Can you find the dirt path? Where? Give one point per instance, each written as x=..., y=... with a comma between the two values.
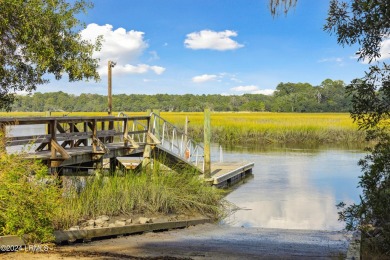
x=207, y=241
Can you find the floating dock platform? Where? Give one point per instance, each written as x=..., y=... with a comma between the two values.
x=224, y=174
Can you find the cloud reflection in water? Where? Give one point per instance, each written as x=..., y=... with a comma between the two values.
x=296, y=190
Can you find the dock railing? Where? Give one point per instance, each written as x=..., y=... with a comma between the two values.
x=62, y=133
x=176, y=141
x=59, y=135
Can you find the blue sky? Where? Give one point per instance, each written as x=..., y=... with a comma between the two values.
x=211, y=47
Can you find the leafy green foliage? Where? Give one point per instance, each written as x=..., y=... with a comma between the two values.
x=371, y=215
x=367, y=23
x=29, y=198
x=371, y=97
x=40, y=37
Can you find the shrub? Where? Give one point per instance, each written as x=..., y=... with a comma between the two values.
x=29, y=197
x=372, y=214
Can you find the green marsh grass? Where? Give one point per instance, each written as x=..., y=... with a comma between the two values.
x=263, y=127
x=257, y=127
x=149, y=193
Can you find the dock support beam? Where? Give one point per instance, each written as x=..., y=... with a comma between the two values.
x=148, y=149
x=156, y=123
x=207, y=138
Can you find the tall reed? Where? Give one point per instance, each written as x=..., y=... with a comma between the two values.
x=156, y=192
x=260, y=127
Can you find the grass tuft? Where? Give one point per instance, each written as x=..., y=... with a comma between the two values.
x=159, y=192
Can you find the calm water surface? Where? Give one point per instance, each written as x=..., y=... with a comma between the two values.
x=295, y=188
x=24, y=130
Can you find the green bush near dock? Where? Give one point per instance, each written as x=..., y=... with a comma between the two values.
x=29, y=198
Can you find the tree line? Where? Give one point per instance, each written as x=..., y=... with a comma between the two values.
x=329, y=96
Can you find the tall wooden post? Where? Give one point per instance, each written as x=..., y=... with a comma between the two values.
x=110, y=66
x=207, y=139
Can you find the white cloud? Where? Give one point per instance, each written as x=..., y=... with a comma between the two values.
x=207, y=39
x=204, y=78
x=148, y=80
x=245, y=88
x=252, y=89
x=118, y=45
x=234, y=79
x=267, y=92
x=332, y=59
x=131, y=69
x=153, y=56
x=22, y=93
x=121, y=46
x=385, y=49
x=226, y=94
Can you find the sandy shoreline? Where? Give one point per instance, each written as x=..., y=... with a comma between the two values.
x=207, y=241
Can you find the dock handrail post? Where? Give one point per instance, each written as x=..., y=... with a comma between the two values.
x=53, y=131
x=111, y=128
x=125, y=132
x=94, y=135
x=2, y=135
x=207, y=139
x=156, y=123
x=186, y=150
x=147, y=150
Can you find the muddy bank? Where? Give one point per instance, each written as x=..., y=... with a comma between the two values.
x=208, y=241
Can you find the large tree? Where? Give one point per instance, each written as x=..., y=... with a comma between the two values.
x=366, y=23
x=41, y=37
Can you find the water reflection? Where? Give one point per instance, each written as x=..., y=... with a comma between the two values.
x=295, y=188
x=24, y=130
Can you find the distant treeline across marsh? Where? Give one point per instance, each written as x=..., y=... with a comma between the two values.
x=330, y=96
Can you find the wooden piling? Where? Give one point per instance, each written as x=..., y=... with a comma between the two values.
x=207, y=139
x=109, y=88
x=186, y=151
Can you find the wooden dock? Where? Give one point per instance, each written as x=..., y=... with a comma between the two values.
x=86, y=142
x=224, y=174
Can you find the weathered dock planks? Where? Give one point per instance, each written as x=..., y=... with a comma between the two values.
x=84, y=142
